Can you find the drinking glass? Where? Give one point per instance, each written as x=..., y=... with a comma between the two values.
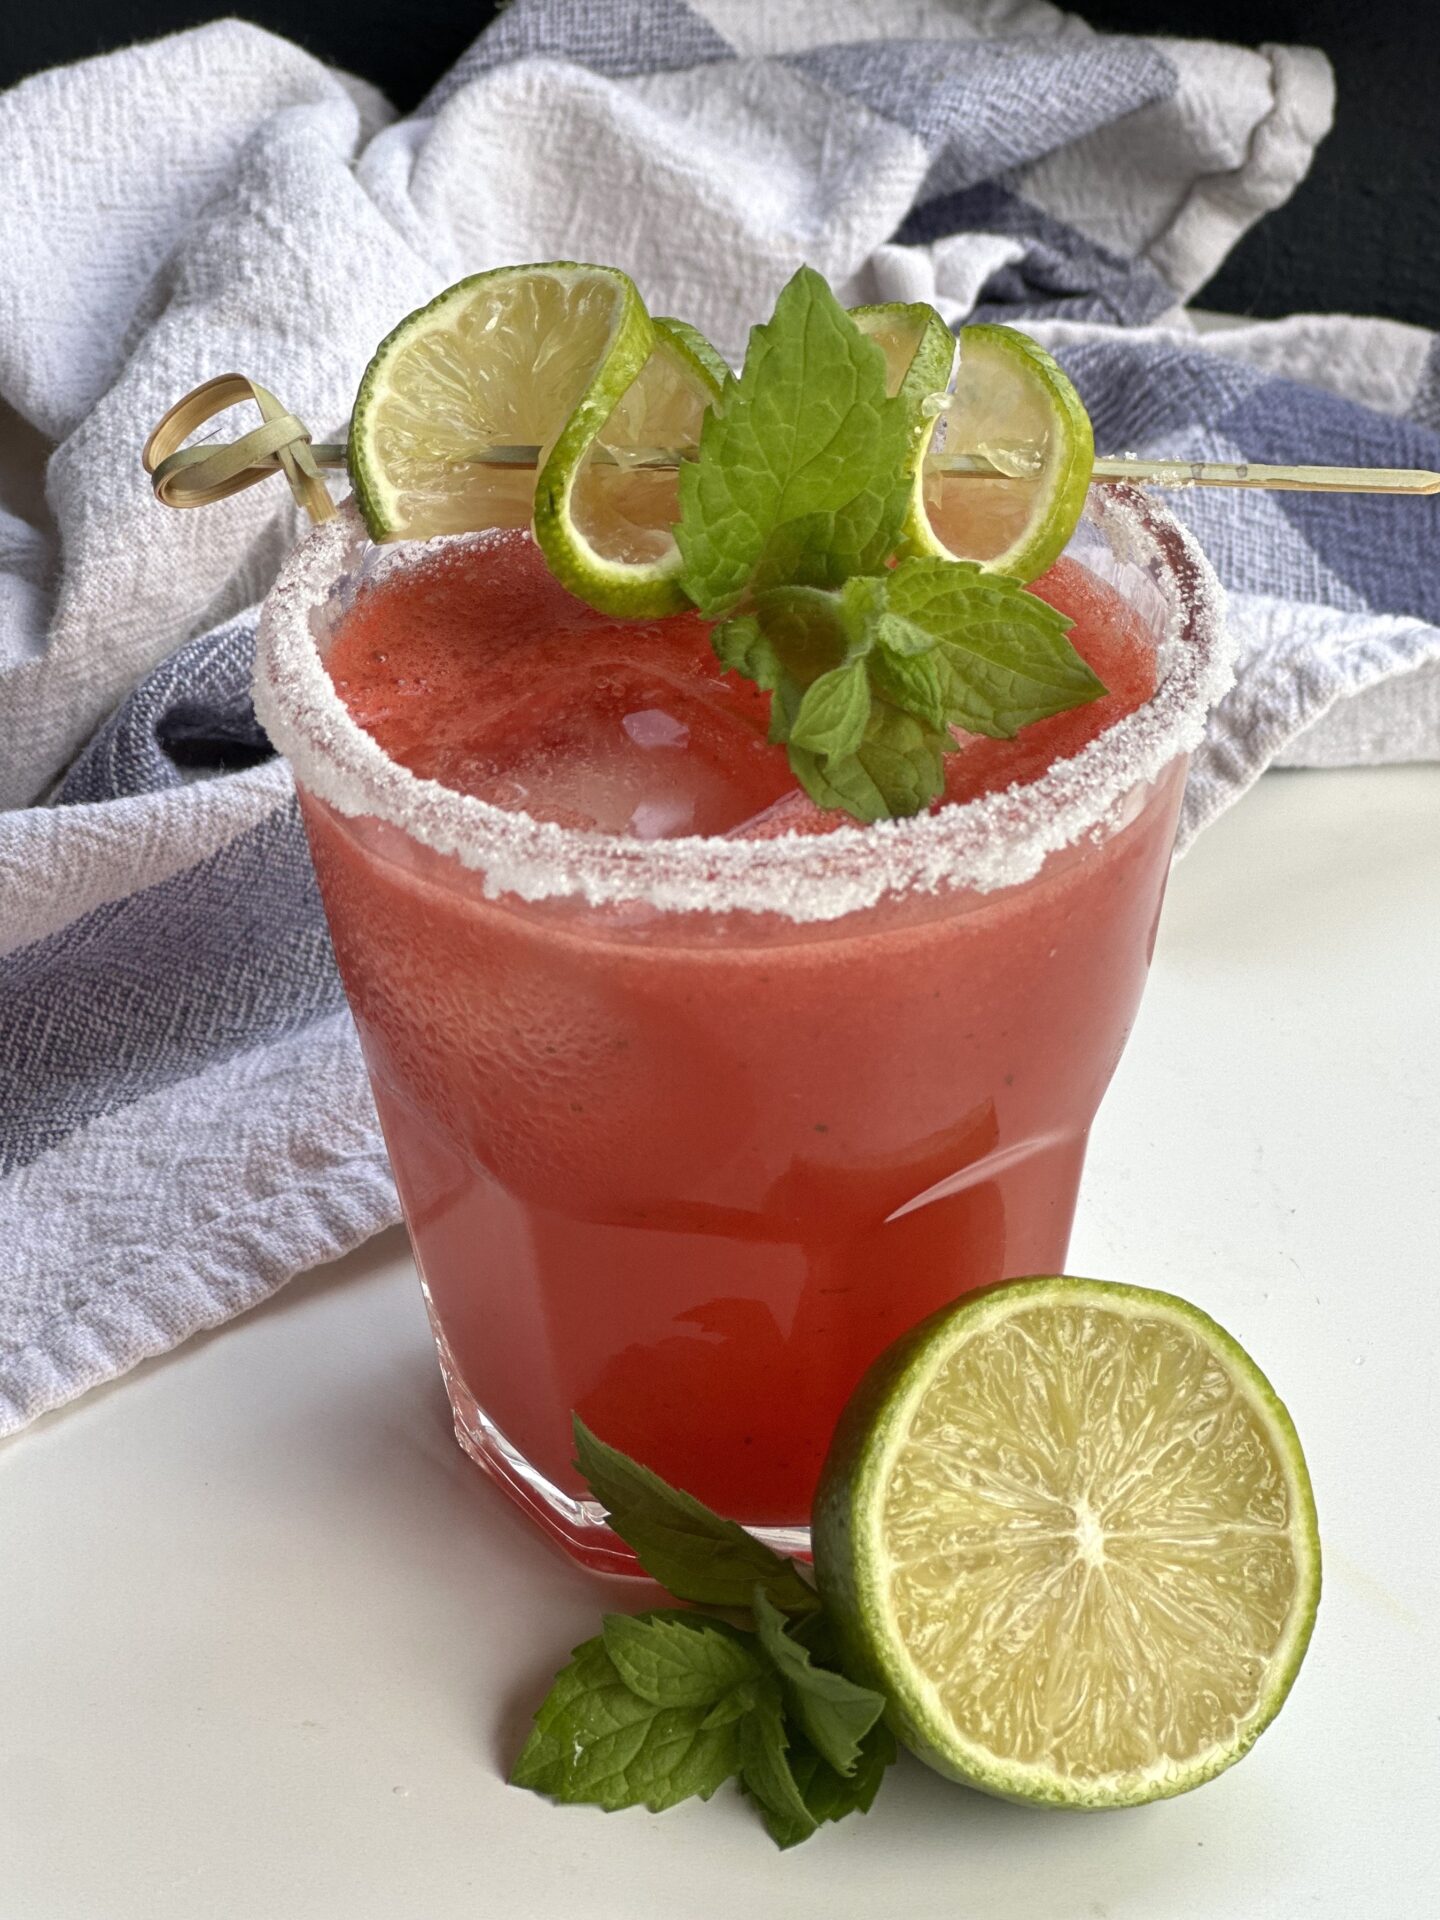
x=686, y=1132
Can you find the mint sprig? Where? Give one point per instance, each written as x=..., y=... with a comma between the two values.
x=789, y=520
x=867, y=681
x=667, y=1705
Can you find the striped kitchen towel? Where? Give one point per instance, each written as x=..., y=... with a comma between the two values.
x=184, y=1120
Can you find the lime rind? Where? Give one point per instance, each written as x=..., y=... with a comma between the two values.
x=706, y=362
x=570, y=556
x=625, y=587
x=562, y=356
x=555, y=353
x=851, y=1561
x=430, y=394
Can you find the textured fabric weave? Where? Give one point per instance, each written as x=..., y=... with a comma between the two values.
x=184, y=1120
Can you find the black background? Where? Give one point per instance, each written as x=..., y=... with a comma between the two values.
x=1362, y=235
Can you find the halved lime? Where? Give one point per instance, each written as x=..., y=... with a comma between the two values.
x=522, y=356
x=608, y=499
x=1067, y=1528
x=1013, y=405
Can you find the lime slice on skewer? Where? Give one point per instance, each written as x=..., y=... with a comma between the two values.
x=561, y=359
x=522, y=356
x=604, y=516
x=1067, y=1528
x=560, y=365
x=1014, y=405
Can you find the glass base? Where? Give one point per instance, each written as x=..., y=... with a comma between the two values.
x=576, y=1525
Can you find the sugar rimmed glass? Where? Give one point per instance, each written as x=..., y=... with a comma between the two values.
x=687, y=1131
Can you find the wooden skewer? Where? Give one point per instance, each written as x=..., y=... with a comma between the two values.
x=194, y=476
x=1228, y=473
x=975, y=466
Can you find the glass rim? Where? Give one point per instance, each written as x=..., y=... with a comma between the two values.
x=995, y=841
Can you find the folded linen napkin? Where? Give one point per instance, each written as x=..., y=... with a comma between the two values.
x=184, y=1121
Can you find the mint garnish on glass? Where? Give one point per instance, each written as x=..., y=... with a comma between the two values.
x=790, y=518
x=667, y=1706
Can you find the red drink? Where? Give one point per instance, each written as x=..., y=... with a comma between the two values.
x=686, y=1169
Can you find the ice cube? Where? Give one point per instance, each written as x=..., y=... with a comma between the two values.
x=655, y=728
x=624, y=755
x=663, y=819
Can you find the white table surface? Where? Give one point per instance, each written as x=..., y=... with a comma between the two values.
x=267, y=1640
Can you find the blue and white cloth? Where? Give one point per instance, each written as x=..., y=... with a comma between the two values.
x=184, y=1120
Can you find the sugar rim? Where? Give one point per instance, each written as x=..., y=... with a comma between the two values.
x=998, y=840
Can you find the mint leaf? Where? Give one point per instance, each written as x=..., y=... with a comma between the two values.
x=829, y=1795
x=850, y=747
x=680, y=1542
x=825, y=549
x=666, y=1705
x=679, y=1659
x=833, y=712
x=734, y=1704
x=898, y=768
x=594, y=1741
x=903, y=756
x=1002, y=654
x=806, y=630
x=835, y=1713
x=742, y=646
x=913, y=682
x=864, y=602
x=805, y=433
x=765, y=1771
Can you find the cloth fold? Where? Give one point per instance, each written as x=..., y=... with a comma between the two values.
x=184, y=1120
